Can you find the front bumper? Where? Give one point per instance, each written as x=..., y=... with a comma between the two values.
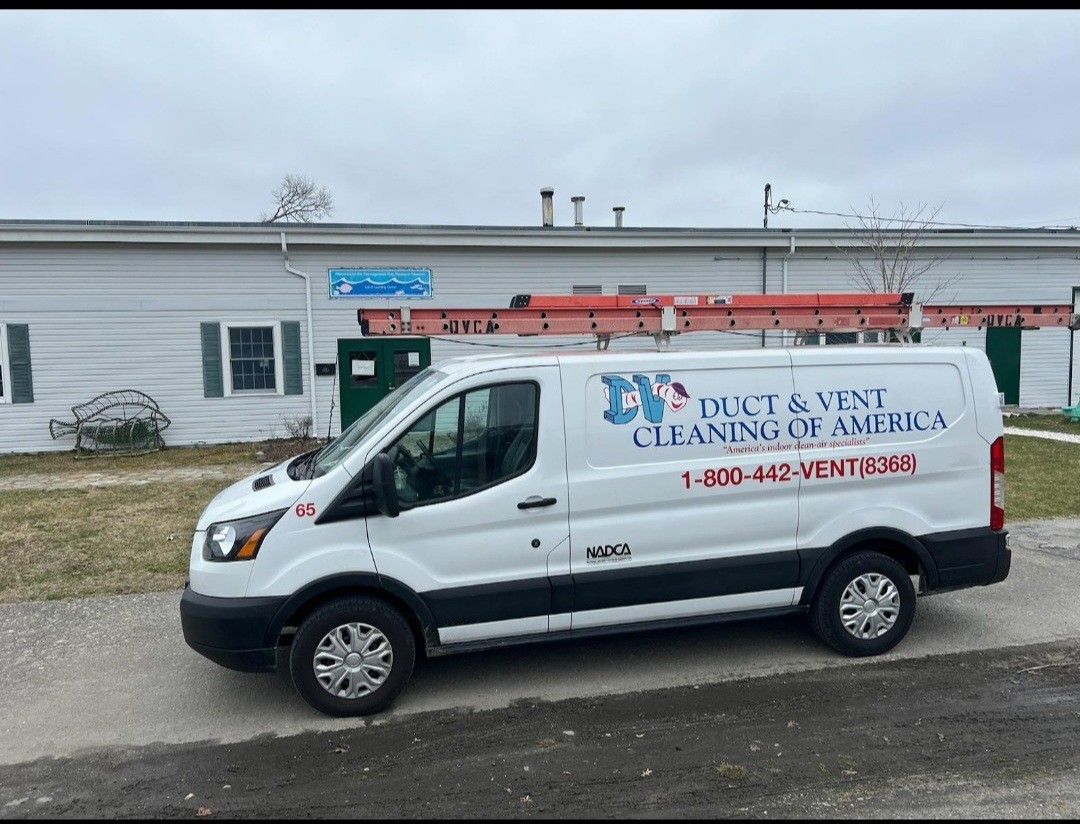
x=231, y=632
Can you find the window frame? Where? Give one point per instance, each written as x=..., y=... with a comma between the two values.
x=5, y=366
x=457, y=396
x=226, y=358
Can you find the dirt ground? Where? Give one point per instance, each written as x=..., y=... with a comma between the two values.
x=980, y=734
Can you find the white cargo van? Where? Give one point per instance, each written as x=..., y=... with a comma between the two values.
x=522, y=498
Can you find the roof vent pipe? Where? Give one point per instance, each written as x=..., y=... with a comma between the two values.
x=547, y=207
x=618, y=210
x=577, y=201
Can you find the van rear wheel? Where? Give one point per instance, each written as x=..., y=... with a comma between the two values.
x=864, y=605
x=352, y=656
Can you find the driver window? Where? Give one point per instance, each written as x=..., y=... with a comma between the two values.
x=469, y=442
x=416, y=476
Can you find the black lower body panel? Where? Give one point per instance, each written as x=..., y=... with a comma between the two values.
x=231, y=632
x=969, y=557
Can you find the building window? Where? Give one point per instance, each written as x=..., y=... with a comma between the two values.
x=253, y=355
x=632, y=289
x=588, y=290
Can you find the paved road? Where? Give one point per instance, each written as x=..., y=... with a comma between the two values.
x=115, y=671
x=987, y=734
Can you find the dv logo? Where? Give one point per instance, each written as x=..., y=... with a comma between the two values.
x=607, y=552
x=625, y=398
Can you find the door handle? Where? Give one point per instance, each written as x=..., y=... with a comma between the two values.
x=535, y=503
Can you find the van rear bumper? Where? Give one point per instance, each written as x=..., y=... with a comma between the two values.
x=969, y=557
x=230, y=631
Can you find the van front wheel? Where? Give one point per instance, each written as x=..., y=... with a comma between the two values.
x=352, y=656
x=864, y=606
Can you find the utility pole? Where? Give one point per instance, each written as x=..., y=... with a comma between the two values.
x=765, y=250
x=783, y=203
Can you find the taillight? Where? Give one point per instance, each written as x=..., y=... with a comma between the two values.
x=997, y=484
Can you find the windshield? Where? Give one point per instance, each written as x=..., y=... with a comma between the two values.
x=333, y=453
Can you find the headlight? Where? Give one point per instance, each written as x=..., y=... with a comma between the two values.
x=239, y=540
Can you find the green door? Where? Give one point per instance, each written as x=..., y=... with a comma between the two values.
x=370, y=368
x=1003, y=350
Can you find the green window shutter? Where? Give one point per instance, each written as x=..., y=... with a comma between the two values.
x=290, y=352
x=22, y=380
x=213, y=387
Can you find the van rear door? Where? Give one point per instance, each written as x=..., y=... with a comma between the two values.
x=892, y=443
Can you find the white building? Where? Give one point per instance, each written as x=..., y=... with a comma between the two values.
x=88, y=307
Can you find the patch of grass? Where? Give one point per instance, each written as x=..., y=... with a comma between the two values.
x=43, y=463
x=731, y=772
x=114, y=540
x=1041, y=478
x=99, y=540
x=1045, y=423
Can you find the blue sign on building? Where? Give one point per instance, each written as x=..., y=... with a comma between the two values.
x=380, y=283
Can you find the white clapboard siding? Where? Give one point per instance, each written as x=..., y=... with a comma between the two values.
x=1044, y=367
x=1074, y=394
x=106, y=317
x=1075, y=371
x=127, y=313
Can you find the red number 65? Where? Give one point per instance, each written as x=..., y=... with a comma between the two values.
x=303, y=510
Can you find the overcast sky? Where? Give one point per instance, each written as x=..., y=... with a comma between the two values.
x=460, y=117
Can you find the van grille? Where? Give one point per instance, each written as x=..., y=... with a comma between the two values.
x=262, y=483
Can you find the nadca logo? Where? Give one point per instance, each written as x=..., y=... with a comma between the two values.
x=607, y=552
x=652, y=397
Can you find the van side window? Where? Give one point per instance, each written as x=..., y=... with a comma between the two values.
x=474, y=440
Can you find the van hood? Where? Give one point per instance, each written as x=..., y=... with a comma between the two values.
x=243, y=499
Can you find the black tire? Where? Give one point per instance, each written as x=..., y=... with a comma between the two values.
x=352, y=610
x=825, y=610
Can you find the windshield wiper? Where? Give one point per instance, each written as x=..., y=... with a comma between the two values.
x=301, y=467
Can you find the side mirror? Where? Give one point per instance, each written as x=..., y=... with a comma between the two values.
x=382, y=483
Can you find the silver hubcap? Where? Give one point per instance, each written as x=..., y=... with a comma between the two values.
x=869, y=606
x=353, y=660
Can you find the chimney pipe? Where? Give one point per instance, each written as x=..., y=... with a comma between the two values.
x=578, y=200
x=618, y=210
x=547, y=206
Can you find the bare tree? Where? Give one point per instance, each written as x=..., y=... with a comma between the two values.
x=886, y=253
x=299, y=200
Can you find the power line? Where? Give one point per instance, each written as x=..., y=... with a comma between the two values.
x=1056, y=223
x=913, y=220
